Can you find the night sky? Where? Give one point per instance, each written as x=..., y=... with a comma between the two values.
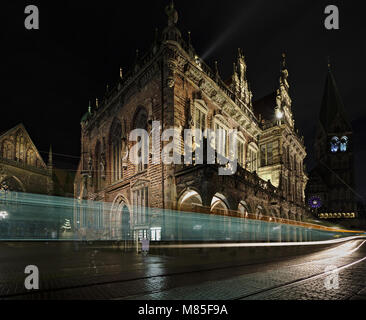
x=49, y=75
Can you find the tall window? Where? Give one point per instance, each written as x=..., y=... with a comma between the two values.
x=252, y=162
x=334, y=144
x=241, y=152
x=140, y=205
x=116, y=141
x=140, y=122
x=200, y=119
x=267, y=154
x=20, y=148
x=98, y=160
x=343, y=144
x=221, y=138
x=31, y=159
x=8, y=150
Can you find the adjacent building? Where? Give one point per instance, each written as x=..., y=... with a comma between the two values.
x=331, y=189
x=22, y=169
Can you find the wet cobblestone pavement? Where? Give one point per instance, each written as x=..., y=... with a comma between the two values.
x=103, y=273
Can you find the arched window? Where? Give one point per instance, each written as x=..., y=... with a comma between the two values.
x=116, y=142
x=31, y=159
x=98, y=163
x=20, y=154
x=344, y=144
x=334, y=144
x=8, y=150
x=140, y=122
x=252, y=157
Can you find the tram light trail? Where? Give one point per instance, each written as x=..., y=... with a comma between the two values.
x=25, y=216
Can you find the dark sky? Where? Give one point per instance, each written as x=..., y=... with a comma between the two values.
x=50, y=74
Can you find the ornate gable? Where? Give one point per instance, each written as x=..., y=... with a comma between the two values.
x=16, y=145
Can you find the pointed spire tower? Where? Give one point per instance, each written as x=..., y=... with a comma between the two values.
x=333, y=117
x=50, y=160
x=283, y=99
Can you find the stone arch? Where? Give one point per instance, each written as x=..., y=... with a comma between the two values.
x=260, y=211
x=273, y=213
x=219, y=204
x=13, y=184
x=244, y=208
x=140, y=118
x=120, y=218
x=188, y=199
x=283, y=214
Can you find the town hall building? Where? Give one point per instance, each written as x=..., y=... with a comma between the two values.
x=173, y=85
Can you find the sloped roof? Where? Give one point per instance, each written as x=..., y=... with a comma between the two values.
x=332, y=107
x=26, y=134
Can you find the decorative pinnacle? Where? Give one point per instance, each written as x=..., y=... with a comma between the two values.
x=172, y=14
x=89, y=107
x=240, y=53
x=50, y=156
x=96, y=102
x=189, y=37
x=217, y=74
x=283, y=60
x=234, y=67
x=120, y=73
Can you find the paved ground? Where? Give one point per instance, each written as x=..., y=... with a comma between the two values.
x=93, y=272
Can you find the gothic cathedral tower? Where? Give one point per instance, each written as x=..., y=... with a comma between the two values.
x=330, y=190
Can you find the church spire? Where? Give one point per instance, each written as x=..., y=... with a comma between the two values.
x=332, y=112
x=50, y=160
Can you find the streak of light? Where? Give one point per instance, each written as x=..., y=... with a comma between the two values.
x=258, y=244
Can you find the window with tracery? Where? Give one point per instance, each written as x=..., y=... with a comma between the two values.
x=7, y=150
x=141, y=122
x=343, y=144
x=116, y=146
x=334, y=144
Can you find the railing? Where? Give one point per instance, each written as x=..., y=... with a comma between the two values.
x=23, y=166
x=260, y=217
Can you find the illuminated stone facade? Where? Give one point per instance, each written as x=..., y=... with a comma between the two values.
x=22, y=169
x=171, y=84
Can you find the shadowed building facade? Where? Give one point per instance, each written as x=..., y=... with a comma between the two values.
x=171, y=84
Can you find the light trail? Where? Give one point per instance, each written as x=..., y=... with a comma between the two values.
x=258, y=244
x=33, y=217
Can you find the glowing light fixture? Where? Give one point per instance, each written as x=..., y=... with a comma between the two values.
x=3, y=214
x=279, y=113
